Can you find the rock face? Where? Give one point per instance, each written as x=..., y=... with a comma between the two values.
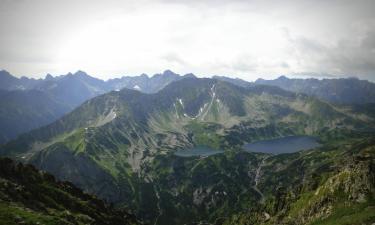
x=129, y=159
x=29, y=196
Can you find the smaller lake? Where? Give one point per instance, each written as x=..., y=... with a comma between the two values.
x=198, y=151
x=288, y=144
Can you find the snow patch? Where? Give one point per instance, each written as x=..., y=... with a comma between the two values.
x=212, y=88
x=201, y=110
x=213, y=91
x=181, y=102
x=213, y=94
x=106, y=118
x=175, y=108
x=136, y=87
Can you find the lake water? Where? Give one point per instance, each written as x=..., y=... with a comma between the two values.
x=198, y=151
x=283, y=145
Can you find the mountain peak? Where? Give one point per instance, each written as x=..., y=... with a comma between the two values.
x=4, y=73
x=169, y=73
x=189, y=75
x=81, y=73
x=282, y=77
x=166, y=73
x=259, y=80
x=48, y=77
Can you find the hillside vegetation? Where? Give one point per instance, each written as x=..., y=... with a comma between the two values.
x=120, y=146
x=29, y=196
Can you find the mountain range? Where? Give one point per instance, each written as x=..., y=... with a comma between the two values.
x=341, y=91
x=122, y=145
x=28, y=103
x=338, y=91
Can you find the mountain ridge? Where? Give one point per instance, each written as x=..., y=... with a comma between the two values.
x=342, y=90
x=63, y=93
x=121, y=145
x=71, y=90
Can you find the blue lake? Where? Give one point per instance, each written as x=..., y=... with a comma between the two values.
x=198, y=151
x=283, y=145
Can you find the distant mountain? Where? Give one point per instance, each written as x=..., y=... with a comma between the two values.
x=29, y=196
x=121, y=146
x=63, y=93
x=28, y=103
x=146, y=84
x=73, y=89
x=9, y=82
x=343, y=91
x=22, y=111
x=89, y=86
x=236, y=81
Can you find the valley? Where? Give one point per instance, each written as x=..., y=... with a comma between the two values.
x=177, y=156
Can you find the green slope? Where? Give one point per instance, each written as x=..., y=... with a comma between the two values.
x=29, y=196
x=332, y=185
x=120, y=147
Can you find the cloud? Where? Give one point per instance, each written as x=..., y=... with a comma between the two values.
x=346, y=57
x=174, y=58
x=313, y=75
x=248, y=39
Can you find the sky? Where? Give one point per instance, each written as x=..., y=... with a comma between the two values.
x=236, y=38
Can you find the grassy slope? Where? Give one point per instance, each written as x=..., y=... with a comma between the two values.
x=138, y=157
x=30, y=196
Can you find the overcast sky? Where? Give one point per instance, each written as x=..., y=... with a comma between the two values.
x=246, y=39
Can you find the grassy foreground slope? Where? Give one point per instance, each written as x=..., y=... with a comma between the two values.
x=29, y=196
